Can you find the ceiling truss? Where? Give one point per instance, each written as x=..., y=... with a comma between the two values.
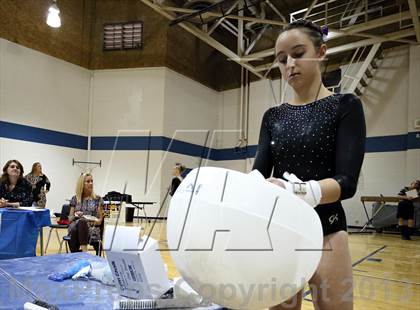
x=203, y=23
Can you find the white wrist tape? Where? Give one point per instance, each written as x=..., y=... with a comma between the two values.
x=309, y=191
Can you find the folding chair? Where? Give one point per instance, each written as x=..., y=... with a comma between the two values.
x=99, y=241
x=65, y=211
x=66, y=240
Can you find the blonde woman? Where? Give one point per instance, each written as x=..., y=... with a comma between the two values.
x=86, y=216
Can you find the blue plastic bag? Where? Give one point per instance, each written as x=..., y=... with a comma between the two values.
x=67, y=274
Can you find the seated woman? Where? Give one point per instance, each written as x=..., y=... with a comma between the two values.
x=405, y=211
x=15, y=191
x=86, y=216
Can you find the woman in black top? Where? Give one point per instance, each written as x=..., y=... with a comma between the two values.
x=318, y=137
x=15, y=191
x=40, y=185
x=405, y=211
x=177, y=173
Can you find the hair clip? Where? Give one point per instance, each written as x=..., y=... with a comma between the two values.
x=324, y=30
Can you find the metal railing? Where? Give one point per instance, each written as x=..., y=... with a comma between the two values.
x=339, y=14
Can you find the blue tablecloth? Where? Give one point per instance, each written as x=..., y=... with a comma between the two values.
x=32, y=273
x=19, y=231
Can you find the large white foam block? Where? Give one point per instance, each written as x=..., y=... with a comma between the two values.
x=241, y=241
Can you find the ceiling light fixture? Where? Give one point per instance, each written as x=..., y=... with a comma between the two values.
x=53, y=19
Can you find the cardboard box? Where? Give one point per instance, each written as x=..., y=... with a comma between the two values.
x=136, y=264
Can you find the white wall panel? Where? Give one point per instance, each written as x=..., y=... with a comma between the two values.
x=190, y=108
x=42, y=91
x=130, y=99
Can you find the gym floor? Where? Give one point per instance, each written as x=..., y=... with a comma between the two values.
x=386, y=269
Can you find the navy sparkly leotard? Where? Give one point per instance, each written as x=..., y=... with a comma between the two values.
x=319, y=140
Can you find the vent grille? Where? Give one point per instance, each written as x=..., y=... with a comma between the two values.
x=123, y=36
